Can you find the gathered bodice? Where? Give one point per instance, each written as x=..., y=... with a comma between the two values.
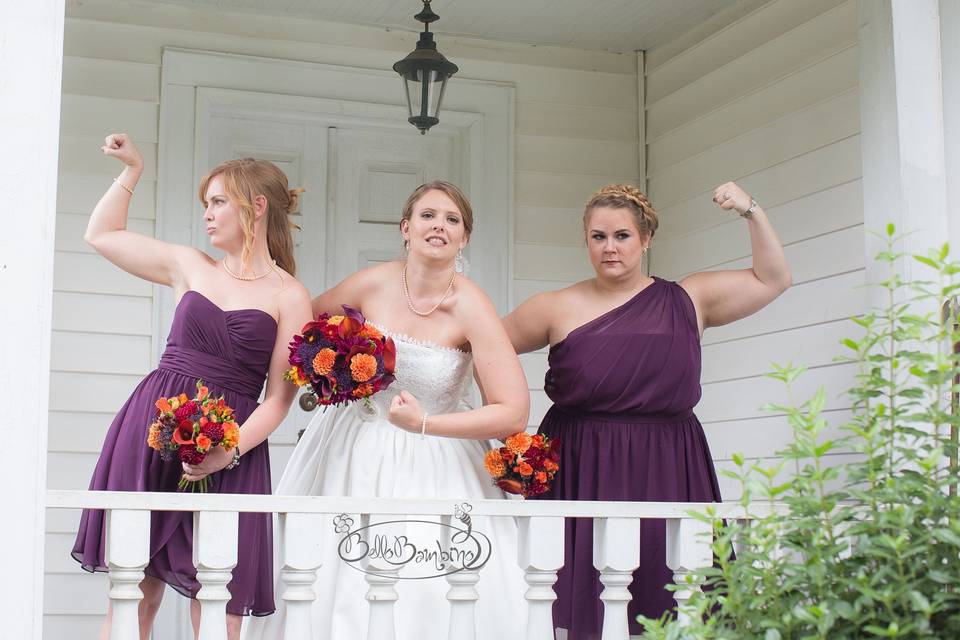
x=228, y=349
x=640, y=359
x=438, y=376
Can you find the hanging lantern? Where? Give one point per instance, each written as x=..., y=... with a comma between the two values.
x=425, y=73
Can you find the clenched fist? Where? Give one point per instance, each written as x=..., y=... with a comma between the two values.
x=121, y=147
x=405, y=412
x=730, y=196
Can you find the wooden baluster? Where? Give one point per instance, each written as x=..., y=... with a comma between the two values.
x=215, y=556
x=127, y=553
x=301, y=536
x=540, y=554
x=688, y=551
x=616, y=553
x=381, y=576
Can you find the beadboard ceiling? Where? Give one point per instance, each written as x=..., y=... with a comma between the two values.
x=597, y=25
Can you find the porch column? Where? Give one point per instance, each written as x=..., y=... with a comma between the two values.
x=950, y=70
x=31, y=59
x=902, y=125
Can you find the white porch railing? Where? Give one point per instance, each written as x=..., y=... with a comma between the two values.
x=616, y=527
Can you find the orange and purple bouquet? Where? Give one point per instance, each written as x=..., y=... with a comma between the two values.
x=525, y=465
x=187, y=428
x=343, y=358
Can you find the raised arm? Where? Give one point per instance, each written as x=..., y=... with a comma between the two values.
x=721, y=297
x=140, y=255
x=499, y=374
x=528, y=326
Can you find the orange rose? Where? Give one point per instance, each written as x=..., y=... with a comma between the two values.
x=370, y=332
x=363, y=390
x=541, y=476
x=519, y=442
x=549, y=465
x=203, y=442
x=363, y=366
x=525, y=469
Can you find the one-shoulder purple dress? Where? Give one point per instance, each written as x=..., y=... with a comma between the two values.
x=230, y=351
x=624, y=386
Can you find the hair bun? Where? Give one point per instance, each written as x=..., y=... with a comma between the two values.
x=294, y=205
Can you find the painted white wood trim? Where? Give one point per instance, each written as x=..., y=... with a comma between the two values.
x=493, y=507
x=31, y=68
x=904, y=170
x=350, y=95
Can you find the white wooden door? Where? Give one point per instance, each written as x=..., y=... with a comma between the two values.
x=300, y=150
x=373, y=171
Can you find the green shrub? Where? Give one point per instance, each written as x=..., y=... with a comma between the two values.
x=869, y=548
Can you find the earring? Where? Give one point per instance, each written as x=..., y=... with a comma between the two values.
x=460, y=264
x=406, y=246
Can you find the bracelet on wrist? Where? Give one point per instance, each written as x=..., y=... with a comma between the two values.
x=236, y=459
x=423, y=424
x=751, y=210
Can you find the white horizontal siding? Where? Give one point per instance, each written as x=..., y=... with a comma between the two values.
x=576, y=129
x=770, y=100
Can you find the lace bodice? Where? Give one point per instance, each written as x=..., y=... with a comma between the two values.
x=437, y=375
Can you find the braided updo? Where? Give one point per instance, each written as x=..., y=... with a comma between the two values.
x=624, y=196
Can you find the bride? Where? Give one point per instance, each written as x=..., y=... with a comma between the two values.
x=418, y=440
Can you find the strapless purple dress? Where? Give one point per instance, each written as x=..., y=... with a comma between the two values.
x=624, y=386
x=230, y=351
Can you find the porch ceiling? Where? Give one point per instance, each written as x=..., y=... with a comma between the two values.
x=598, y=25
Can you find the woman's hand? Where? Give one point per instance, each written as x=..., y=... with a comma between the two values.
x=405, y=412
x=121, y=147
x=217, y=458
x=730, y=196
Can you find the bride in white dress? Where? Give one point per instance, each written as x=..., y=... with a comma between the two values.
x=444, y=328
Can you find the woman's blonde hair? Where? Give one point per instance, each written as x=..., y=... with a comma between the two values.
x=453, y=192
x=244, y=180
x=624, y=196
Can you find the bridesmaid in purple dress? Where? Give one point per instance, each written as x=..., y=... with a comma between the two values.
x=624, y=377
x=230, y=328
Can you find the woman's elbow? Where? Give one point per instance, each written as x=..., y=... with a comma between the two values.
x=784, y=282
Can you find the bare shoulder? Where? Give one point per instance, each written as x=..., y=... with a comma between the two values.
x=470, y=297
x=293, y=293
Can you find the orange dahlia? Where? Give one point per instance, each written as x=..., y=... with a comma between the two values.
x=519, y=442
x=323, y=361
x=493, y=461
x=153, y=438
x=363, y=366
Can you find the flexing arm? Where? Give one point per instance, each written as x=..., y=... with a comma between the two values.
x=140, y=255
x=502, y=383
x=725, y=296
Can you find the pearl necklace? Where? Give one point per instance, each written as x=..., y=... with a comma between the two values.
x=406, y=293
x=273, y=266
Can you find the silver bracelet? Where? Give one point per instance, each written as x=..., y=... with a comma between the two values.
x=236, y=459
x=749, y=212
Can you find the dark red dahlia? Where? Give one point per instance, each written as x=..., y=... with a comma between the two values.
x=214, y=431
x=190, y=455
x=185, y=410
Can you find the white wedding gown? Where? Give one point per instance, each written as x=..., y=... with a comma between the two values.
x=355, y=451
